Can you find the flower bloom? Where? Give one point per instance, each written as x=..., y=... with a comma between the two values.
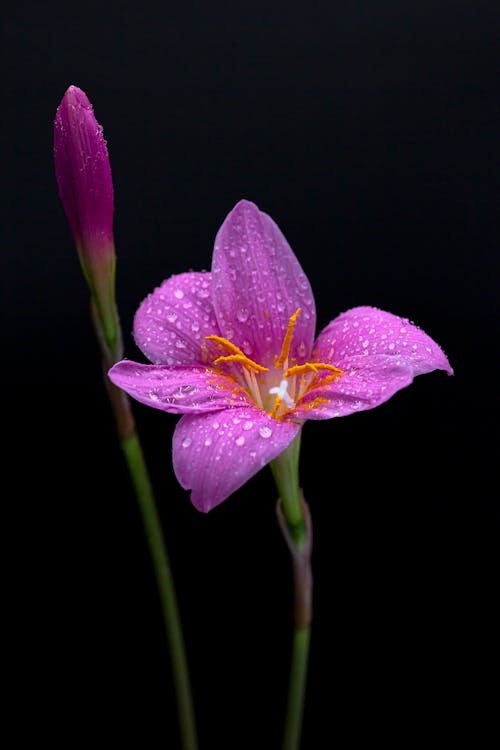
x=233, y=350
x=85, y=185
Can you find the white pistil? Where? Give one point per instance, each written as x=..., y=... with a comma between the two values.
x=281, y=390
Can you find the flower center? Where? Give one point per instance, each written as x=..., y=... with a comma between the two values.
x=279, y=389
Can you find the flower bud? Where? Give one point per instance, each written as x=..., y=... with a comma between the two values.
x=83, y=176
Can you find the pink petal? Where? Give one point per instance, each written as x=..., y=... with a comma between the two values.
x=171, y=323
x=177, y=390
x=365, y=331
x=380, y=353
x=257, y=285
x=214, y=454
x=365, y=384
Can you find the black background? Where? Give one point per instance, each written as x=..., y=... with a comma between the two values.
x=369, y=132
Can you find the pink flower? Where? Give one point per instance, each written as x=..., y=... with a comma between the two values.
x=234, y=352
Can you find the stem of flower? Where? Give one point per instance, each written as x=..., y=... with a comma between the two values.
x=295, y=522
x=285, y=470
x=296, y=689
x=139, y=475
x=152, y=527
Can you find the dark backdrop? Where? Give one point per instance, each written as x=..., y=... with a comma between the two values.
x=369, y=131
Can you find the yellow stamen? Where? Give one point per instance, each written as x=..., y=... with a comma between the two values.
x=311, y=367
x=226, y=343
x=242, y=360
x=285, y=349
x=276, y=406
x=309, y=405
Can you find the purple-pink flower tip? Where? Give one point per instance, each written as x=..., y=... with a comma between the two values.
x=83, y=175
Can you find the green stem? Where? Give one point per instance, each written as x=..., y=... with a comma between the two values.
x=296, y=690
x=151, y=521
x=295, y=523
x=285, y=470
x=125, y=426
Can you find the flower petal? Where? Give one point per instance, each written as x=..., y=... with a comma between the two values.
x=365, y=331
x=379, y=354
x=365, y=384
x=257, y=285
x=171, y=323
x=178, y=390
x=214, y=454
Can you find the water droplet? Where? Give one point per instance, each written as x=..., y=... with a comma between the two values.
x=180, y=344
x=247, y=347
x=203, y=293
x=391, y=346
x=240, y=440
x=248, y=425
x=365, y=343
x=171, y=317
x=236, y=420
x=215, y=425
x=195, y=326
x=302, y=349
x=186, y=442
x=179, y=294
x=242, y=315
x=265, y=431
x=208, y=441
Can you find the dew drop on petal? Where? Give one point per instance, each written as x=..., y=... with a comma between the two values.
x=215, y=425
x=236, y=420
x=265, y=431
x=186, y=442
x=302, y=349
x=240, y=440
x=172, y=317
x=242, y=314
x=208, y=441
x=248, y=425
x=179, y=294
